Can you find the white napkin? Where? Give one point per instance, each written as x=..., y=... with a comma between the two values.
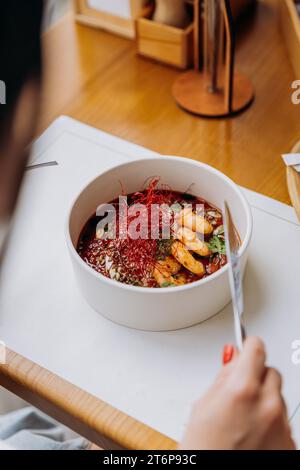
x=292, y=159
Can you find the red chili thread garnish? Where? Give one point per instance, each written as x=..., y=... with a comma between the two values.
x=132, y=260
x=135, y=259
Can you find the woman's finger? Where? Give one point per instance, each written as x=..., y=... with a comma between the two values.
x=250, y=364
x=272, y=381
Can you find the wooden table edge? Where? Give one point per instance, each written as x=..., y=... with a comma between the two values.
x=89, y=416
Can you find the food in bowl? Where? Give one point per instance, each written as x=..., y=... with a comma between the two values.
x=156, y=237
x=156, y=309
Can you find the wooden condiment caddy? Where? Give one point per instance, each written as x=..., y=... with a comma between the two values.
x=164, y=43
x=170, y=45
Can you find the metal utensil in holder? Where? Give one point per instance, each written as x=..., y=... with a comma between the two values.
x=213, y=88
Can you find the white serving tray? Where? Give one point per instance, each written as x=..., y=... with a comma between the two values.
x=153, y=377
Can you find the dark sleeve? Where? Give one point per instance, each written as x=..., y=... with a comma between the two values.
x=20, y=50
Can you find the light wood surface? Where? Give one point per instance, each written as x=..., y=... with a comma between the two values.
x=98, y=78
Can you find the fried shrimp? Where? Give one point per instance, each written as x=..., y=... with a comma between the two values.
x=192, y=242
x=187, y=260
x=187, y=218
x=169, y=264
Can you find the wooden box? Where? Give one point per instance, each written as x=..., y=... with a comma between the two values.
x=120, y=20
x=290, y=23
x=167, y=44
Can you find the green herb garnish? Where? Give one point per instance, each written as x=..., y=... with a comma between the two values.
x=217, y=245
x=163, y=249
x=168, y=284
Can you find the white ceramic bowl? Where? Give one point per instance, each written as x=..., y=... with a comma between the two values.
x=164, y=308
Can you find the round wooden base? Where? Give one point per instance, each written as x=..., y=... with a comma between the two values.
x=190, y=93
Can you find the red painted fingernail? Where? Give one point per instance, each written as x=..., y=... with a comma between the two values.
x=227, y=353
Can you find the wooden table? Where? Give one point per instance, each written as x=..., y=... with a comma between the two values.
x=97, y=78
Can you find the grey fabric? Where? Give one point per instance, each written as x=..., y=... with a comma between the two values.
x=28, y=429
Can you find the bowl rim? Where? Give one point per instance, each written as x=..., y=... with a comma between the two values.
x=161, y=290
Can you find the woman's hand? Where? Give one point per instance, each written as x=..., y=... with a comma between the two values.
x=244, y=409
